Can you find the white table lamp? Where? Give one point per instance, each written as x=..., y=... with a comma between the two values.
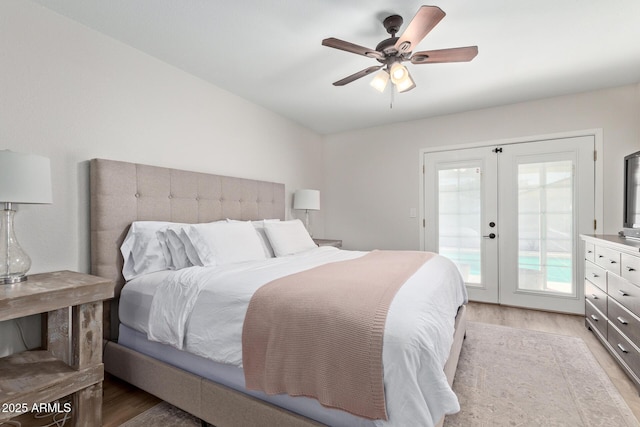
x=307, y=200
x=24, y=178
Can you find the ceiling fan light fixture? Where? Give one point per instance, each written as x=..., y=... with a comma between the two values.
x=398, y=73
x=380, y=80
x=405, y=84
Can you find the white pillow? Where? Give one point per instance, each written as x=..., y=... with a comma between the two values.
x=162, y=239
x=264, y=240
x=288, y=237
x=192, y=254
x=179, y=258
x=221, y=243
x=141, y=249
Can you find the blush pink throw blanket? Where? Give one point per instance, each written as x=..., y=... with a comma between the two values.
x=319, y=333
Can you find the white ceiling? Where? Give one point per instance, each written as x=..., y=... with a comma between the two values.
x=270, y=52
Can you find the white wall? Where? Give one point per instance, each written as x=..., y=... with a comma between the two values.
x=72, y=94
x=372, y=175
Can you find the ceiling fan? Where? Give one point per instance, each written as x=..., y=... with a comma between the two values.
x=392, y=52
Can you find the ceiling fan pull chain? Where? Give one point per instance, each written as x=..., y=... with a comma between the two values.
x=391, y=90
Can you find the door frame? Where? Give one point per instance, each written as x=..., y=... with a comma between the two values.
x=598, y=184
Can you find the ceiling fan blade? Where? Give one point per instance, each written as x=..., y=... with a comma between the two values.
x=424, y=21
x=357, y=75
x=353, y=48
x=456, y=54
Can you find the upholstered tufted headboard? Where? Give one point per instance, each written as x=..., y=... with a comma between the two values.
x=124, y=192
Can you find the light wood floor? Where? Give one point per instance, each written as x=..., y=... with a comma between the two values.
x=122, y=401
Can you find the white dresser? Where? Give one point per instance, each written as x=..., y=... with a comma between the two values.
x=612, y=297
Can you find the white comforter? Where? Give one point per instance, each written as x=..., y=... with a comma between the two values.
x=202, y=311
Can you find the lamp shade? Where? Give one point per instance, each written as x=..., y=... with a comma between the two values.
x=380, y=80
x=398, y=72
x=405, y=84
x=24, y=178
x=306, y=200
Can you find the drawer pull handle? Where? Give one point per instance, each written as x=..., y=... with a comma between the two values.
x=624, y=350
x=589, y=252
x=600, y=256
x=613, y=261
x=631, y=269
x=594, y=275
x=594, y=317
x=623, y=293
x=621, y=320
x=594, y=296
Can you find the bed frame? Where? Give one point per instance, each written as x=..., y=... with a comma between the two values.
x=124, y=192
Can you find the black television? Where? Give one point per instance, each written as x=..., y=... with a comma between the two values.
x=631, y=220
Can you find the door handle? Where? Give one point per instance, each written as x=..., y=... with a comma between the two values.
x=490, y=236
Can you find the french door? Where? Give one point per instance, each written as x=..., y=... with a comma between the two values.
x=509, y=216
x=460, y=204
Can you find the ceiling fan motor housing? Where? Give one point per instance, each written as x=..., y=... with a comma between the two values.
x=392, y=24
x=387, y=47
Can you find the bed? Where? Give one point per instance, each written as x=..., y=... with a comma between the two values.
x=123, y=193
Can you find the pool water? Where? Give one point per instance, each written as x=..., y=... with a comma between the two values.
x=558, y=267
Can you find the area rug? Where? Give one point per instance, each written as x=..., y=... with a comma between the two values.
x=163, y=414
x=507, y=377
x=517, y=377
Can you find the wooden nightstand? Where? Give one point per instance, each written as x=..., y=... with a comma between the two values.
x=71, y=363
x=328, y=242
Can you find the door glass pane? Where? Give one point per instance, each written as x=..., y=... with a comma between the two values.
x=545, y=227
x=459, y=206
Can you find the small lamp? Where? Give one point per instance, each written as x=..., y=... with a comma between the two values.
x=307, y=200
x=24, y=178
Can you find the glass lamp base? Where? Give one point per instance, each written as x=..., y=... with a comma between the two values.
x=14, y=262
x=12, y=279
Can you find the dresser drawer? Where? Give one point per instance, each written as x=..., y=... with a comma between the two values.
x=624, y=348
x=608, y=259
x=596, y=275
x=625, y=292
x=589, y=251
x=631, y=268
x=596, y=318
x=595, y=296
x=625, y=321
